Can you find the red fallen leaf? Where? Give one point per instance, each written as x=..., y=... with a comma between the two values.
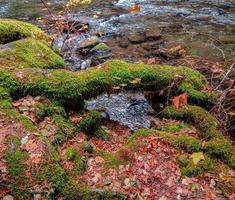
x=208, y=195
x=4, y=191
x=180, y=100
x=135, y=8
x=207, y=88
x=151, y=61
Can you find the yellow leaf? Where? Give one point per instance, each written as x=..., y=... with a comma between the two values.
x=117, y=78
x=197, y=157
x=116, y=88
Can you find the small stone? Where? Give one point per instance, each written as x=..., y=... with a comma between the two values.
x=8, y=197
x=153, y=34
x=37, y=197
x=136, y=37
x=89, y=42
x=212, y=183
x=100, y=47
x=24, y=139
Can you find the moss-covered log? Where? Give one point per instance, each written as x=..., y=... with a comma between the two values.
x=72, y=88
x=216, y=144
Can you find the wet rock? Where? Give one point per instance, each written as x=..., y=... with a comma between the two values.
x=152, y=45
x=153, y=34
x=101, y=47
x=131, y=108
x=85, y=64
x=8, y=197
x=136, y=37
x=89, y=42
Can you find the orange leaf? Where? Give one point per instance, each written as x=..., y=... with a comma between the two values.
x=135, y=8
x=180, y=100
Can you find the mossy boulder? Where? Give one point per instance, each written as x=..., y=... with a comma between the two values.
x=29, y=53
x=100, y=48
x=12, y=30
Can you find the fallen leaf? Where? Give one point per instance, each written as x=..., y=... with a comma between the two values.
x=180, y=100
x=151, y=61
x=135, y=8
x=197, y=157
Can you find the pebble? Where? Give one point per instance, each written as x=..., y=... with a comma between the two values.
x=85, y=64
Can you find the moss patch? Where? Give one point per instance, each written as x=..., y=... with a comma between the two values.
x=65, y=128
x=29, y=53
x=188, y=168
x=11, y=30
x=207, y=125
x=79, y=163
x=16, y=158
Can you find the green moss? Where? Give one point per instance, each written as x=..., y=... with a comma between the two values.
x=65, y=128
x=16, y=166
x=49, y=109
x=87, y=147
x=188, y=168
x=221, y=148
x=79, y=165
x=30, y=53
x=176, y=127
x=4, y=95
x=11, y=30
x=91, y=122
x=69, y=87
x=8, y=82
x=217, y=145
x=101, y=47
x=207, y=125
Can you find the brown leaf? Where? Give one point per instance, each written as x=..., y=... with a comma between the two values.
x=180, y=100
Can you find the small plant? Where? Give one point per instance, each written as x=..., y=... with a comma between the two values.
x=79, y=165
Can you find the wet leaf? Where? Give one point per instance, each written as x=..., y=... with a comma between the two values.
x=197, y=157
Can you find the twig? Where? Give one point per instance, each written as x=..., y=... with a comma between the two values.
x=46, y=7
x=232, y=68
